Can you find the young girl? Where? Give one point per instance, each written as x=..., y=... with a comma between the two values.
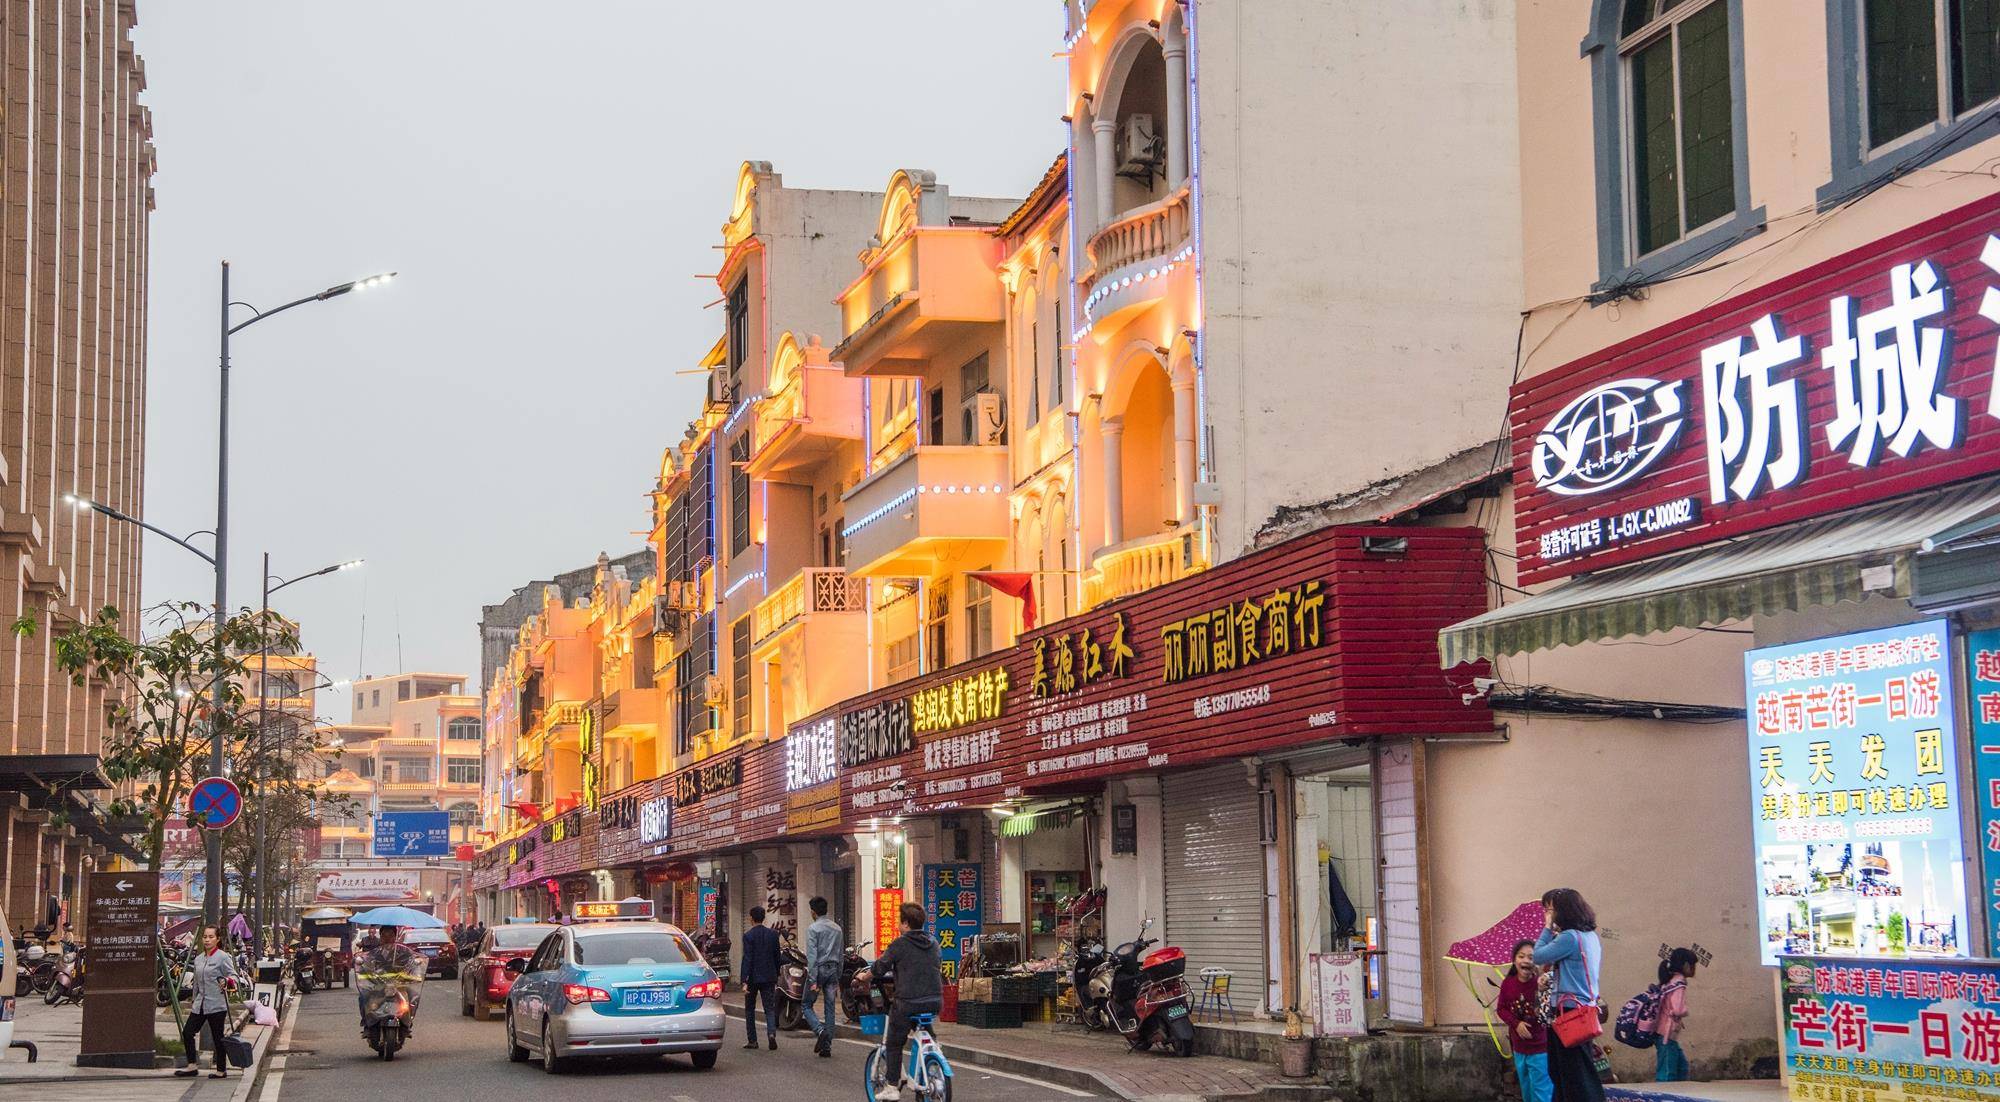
x=1670, y=1064
x=1520, y=1008
x=1570, y=945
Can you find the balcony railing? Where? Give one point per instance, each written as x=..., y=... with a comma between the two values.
x=1150, y=233
x=811, y=591
x=1142, y=564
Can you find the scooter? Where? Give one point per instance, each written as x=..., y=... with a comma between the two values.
x=1150, y=1004
x=792, y=985
x=67, y=986
x=852, y=995
x=1091, y=977
x=28, y=956
x=388, y=1010
x=305, y=967
x=866, y=993
x=715, y=953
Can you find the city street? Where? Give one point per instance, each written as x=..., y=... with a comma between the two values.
x=457, y=1057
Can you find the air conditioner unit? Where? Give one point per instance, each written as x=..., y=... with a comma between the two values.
x=1141, y=152
x=985, y=419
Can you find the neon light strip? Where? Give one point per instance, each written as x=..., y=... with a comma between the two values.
x=1156, y=272
x=736, y=415
x=1203, y=459
x=754, y=575
x=893, y=504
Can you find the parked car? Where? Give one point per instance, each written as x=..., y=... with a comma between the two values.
x=437, y=948
x=614, y=989
x=483, y=979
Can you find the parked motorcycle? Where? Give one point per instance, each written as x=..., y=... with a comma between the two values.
x=28, y=957
x=171, y=980
x=1149, y=1001
x=67, y=986
x=792, y=983
x=1091, y=977
x=868, y=993
x=715, y=953
x=852, y=995
x=305, y=967
x=388, y=1009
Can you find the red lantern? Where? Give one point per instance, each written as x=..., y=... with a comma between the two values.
x=657, y=876
x=680, y=870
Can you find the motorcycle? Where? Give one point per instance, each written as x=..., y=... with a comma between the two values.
x=67, y=986
x=1149, y=1002
x=28, y=956
x=1091, y=977
x=305, y=967
x=388, y=1009
x=715, y=953
x=792, y=984
x=171, y=981
x=853, y=995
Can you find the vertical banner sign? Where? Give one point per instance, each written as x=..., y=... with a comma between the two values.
x=587, y=747
x=121, y=918
x=888, y=917
x=1854, y=796
x=889, y=865
x=952, y=899
x=1891, y=1031
x=1982, y=650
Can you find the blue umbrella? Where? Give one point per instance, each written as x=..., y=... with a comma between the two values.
x=398, y=916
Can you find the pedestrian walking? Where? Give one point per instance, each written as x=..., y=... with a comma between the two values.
x=213, y=967
x=1520, y=1008
x=1669, y=1062
x=1569, y=945
x=760, y=978
x=823, y=945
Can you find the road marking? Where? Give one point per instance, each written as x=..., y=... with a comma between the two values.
x=984, y=1070
x=274, y=1074
x=683, y=1098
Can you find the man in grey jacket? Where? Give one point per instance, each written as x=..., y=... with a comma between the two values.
x=823, y=953
x=913, y=963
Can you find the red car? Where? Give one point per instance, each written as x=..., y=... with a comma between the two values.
x=483, y=979
x=440, y=955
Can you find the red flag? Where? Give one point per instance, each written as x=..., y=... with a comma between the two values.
x=527, y=809
x=1020, y=586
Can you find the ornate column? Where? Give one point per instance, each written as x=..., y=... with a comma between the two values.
x=1184, y=430
x=1112, y=432
x=1104, y=155
x=1175, y=51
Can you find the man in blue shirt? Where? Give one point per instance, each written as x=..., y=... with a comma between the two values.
x=760, y=978
x=823, y=955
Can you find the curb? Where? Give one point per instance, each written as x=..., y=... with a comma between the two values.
x=260, y=1057
x=1061, y=1074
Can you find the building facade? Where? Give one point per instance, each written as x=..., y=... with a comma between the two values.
x=500, y=624
x=79, y=163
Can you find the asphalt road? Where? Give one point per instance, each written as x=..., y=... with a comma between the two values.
x=322, y=1058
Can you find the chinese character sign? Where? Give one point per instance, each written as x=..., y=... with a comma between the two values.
x=952, y=895
x=1893, y=1030
x=1982, y=649
x=1854, y=795
x=888, y=917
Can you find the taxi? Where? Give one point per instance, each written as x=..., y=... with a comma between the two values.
x=616, y=983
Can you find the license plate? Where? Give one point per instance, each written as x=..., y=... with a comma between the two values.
x=1177, y=1012
x=650, y=996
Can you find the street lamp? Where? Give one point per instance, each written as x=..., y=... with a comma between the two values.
x=263, y=734
x=212, y=905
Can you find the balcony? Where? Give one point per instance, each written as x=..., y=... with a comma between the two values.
x=919, y=294
x=1136, y=566
x=901, y=518
x=816, y=411
x=1130, y=260
x=813, y=591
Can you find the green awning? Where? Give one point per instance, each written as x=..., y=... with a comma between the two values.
x=1819, y=562
x=1034, y=820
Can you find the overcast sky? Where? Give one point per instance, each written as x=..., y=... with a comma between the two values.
x=549, y=179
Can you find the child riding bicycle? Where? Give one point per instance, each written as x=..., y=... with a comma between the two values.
x=912, y=961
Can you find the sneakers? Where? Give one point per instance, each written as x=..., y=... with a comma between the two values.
x=889, y=1093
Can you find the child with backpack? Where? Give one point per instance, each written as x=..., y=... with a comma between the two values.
x=1519, y=1006
x=1669, y=1062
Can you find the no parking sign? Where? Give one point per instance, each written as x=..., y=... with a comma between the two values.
x=214, y=803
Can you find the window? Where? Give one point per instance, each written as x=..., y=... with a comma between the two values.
x=1056, y=342
x=402, y=690
x=738, y=331
x=463, y=729
x=464, y=814
x=739, y=495
x=739, y=672
x=1927, y=69
x=937, y=624
x=358, y=705
x=1673, y=180
x=934, y=416
x=408, y=771
x=462, y=770
x=978, y=620
x=375, y=698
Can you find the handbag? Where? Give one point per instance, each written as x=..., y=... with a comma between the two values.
x=239, y=1050
x=1581, y=1022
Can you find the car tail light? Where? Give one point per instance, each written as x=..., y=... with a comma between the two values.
x=708, y=989
x=578, y=993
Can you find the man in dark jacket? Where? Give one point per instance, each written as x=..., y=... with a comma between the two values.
x=760, y=977
x=912, y=961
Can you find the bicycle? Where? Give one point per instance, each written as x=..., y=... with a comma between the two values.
x=928, y=1073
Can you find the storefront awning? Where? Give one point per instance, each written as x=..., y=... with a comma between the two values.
x=1034, y=820
x=1819, y=562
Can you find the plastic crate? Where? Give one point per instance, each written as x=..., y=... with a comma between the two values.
x=990, y=1015
x=1030, y=988
x=874, y=1025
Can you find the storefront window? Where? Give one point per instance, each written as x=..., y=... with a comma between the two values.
x=1338, y=907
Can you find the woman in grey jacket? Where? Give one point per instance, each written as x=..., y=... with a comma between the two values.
x=213, y=968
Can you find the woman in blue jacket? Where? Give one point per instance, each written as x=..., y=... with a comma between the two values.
x=1569, y=946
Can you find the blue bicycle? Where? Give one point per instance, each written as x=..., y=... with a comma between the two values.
x=928, y=1072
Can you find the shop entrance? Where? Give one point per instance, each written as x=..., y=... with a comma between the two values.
x=840, y=900
x=1055, y=863
x=1335, y=874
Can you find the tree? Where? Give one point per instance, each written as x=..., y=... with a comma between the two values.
x=158, y=738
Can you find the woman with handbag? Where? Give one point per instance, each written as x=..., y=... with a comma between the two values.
x=214, y=972
x=1570, y=948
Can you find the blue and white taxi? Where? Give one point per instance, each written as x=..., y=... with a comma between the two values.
x=615, y=984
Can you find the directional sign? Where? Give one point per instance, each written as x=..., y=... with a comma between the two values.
x=214, y=803
x=413, y=834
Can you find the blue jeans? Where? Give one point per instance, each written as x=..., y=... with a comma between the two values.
x=822, y=1027
x=1670, y=1064
x=1532, y=1069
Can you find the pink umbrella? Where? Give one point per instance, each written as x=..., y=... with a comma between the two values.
x=1495, y=949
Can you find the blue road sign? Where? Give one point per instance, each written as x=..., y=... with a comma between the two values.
x=412, y=834
x=214, y=803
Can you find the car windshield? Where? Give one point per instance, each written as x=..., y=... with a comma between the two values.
x=519, y=938
x=636, y=947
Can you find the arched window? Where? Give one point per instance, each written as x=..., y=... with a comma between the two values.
x=1673, y=169
x=1905, y=76
x=463, y=729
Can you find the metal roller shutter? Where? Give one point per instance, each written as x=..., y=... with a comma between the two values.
x=1215, y=877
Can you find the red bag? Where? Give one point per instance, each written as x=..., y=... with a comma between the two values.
x=1579, y=1023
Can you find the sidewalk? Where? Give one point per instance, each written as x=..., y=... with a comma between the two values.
x=1730, y=1090
x=57, y=1032
x=1103, y=1062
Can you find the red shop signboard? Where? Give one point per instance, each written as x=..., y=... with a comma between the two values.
x=1866, y=377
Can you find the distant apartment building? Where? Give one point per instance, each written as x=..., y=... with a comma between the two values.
x=76, y=199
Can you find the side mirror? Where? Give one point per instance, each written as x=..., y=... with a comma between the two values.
x=517, y=966
x=1144, y=926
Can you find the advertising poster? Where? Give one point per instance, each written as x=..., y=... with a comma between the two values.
x=1854, y=795
x=952, y=899
x=888, y=917
x=1982, y=649
x=1887, y=1031
x=368, y=886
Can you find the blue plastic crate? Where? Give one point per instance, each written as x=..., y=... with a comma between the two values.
x=874, y=1025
